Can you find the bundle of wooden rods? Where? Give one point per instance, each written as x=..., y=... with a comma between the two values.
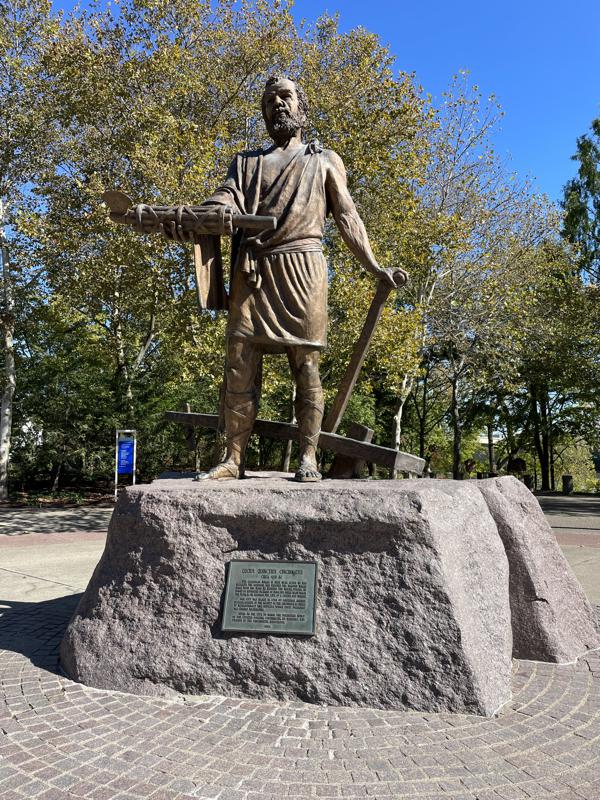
x=184, y=222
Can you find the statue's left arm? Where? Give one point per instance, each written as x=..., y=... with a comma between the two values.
x=347, y=219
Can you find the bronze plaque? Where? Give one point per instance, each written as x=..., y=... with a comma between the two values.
x=270, y=597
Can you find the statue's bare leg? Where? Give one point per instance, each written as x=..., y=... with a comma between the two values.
x=241, y=405
x=304, y=362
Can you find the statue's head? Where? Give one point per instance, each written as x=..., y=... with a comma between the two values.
x=284, y=108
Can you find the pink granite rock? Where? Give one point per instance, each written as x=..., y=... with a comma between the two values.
x=412, y=602
x=552, y=619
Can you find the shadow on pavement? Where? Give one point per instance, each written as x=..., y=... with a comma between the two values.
x=570, y=506
x=35, y=629
x=16, y=521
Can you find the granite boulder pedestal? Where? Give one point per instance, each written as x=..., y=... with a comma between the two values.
x=426, y=590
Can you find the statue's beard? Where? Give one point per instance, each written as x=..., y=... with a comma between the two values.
x=284, y=125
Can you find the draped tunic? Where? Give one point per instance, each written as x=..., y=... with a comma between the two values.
x=278, y=286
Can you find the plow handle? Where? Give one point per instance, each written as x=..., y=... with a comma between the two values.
x=361, y=348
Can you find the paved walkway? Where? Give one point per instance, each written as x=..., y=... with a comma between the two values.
x=49, y=552
x=575, y=512
x=60, y=740
x=18, y=521
x=63, y=740
x=40, y=567
x=575, y=521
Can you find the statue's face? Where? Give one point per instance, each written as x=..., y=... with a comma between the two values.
x=281, y=109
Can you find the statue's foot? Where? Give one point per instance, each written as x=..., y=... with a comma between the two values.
x=307, y=472
x=226, y=471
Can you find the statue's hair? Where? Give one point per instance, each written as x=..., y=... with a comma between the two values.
x=302, y=101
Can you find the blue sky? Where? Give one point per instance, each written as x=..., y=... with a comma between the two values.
x=541, y=58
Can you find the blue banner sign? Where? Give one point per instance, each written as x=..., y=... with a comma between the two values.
x=125, y=458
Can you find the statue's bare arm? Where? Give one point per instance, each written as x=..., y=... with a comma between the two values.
x=347, y=219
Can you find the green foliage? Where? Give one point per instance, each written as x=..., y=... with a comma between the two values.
x=27, y=134
x=582, y=204
x=576, y=459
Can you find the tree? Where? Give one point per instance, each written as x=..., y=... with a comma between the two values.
x=560, y=363
x=26, y=30
x=581, y=203
x=379, y=124
x=471, y=286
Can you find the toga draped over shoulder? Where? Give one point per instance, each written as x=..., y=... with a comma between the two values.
x=278, y=286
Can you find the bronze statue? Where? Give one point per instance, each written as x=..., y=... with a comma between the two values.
x=278, y=293
x=278, y=287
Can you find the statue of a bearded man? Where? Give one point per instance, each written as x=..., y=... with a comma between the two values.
x=278, y=286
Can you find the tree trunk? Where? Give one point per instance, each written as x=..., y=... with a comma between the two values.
x=551, y=451
x=545, y=440
x=190, y=439
x=56, y=481
x=404, y=392
x=423, y=419
x=491, y=453
x=511, y=444
x=10, y=374
x=540, y=435
x=123, y=376
x=124, y=391
x=457, y=472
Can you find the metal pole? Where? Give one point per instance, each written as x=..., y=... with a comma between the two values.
x=134, y=454
x=116, y=461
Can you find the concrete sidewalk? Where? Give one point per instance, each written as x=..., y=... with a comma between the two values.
x=38, y=567
x=575, y=521
x=573, y=513
x=49, y=552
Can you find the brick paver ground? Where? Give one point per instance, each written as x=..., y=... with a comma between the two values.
x=62, y=740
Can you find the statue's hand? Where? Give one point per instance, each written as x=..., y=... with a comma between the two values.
x=174, y=232
x=393, y=276
x=215, y=220
x=173, y=229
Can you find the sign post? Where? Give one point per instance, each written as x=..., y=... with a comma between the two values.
x=125, y=455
